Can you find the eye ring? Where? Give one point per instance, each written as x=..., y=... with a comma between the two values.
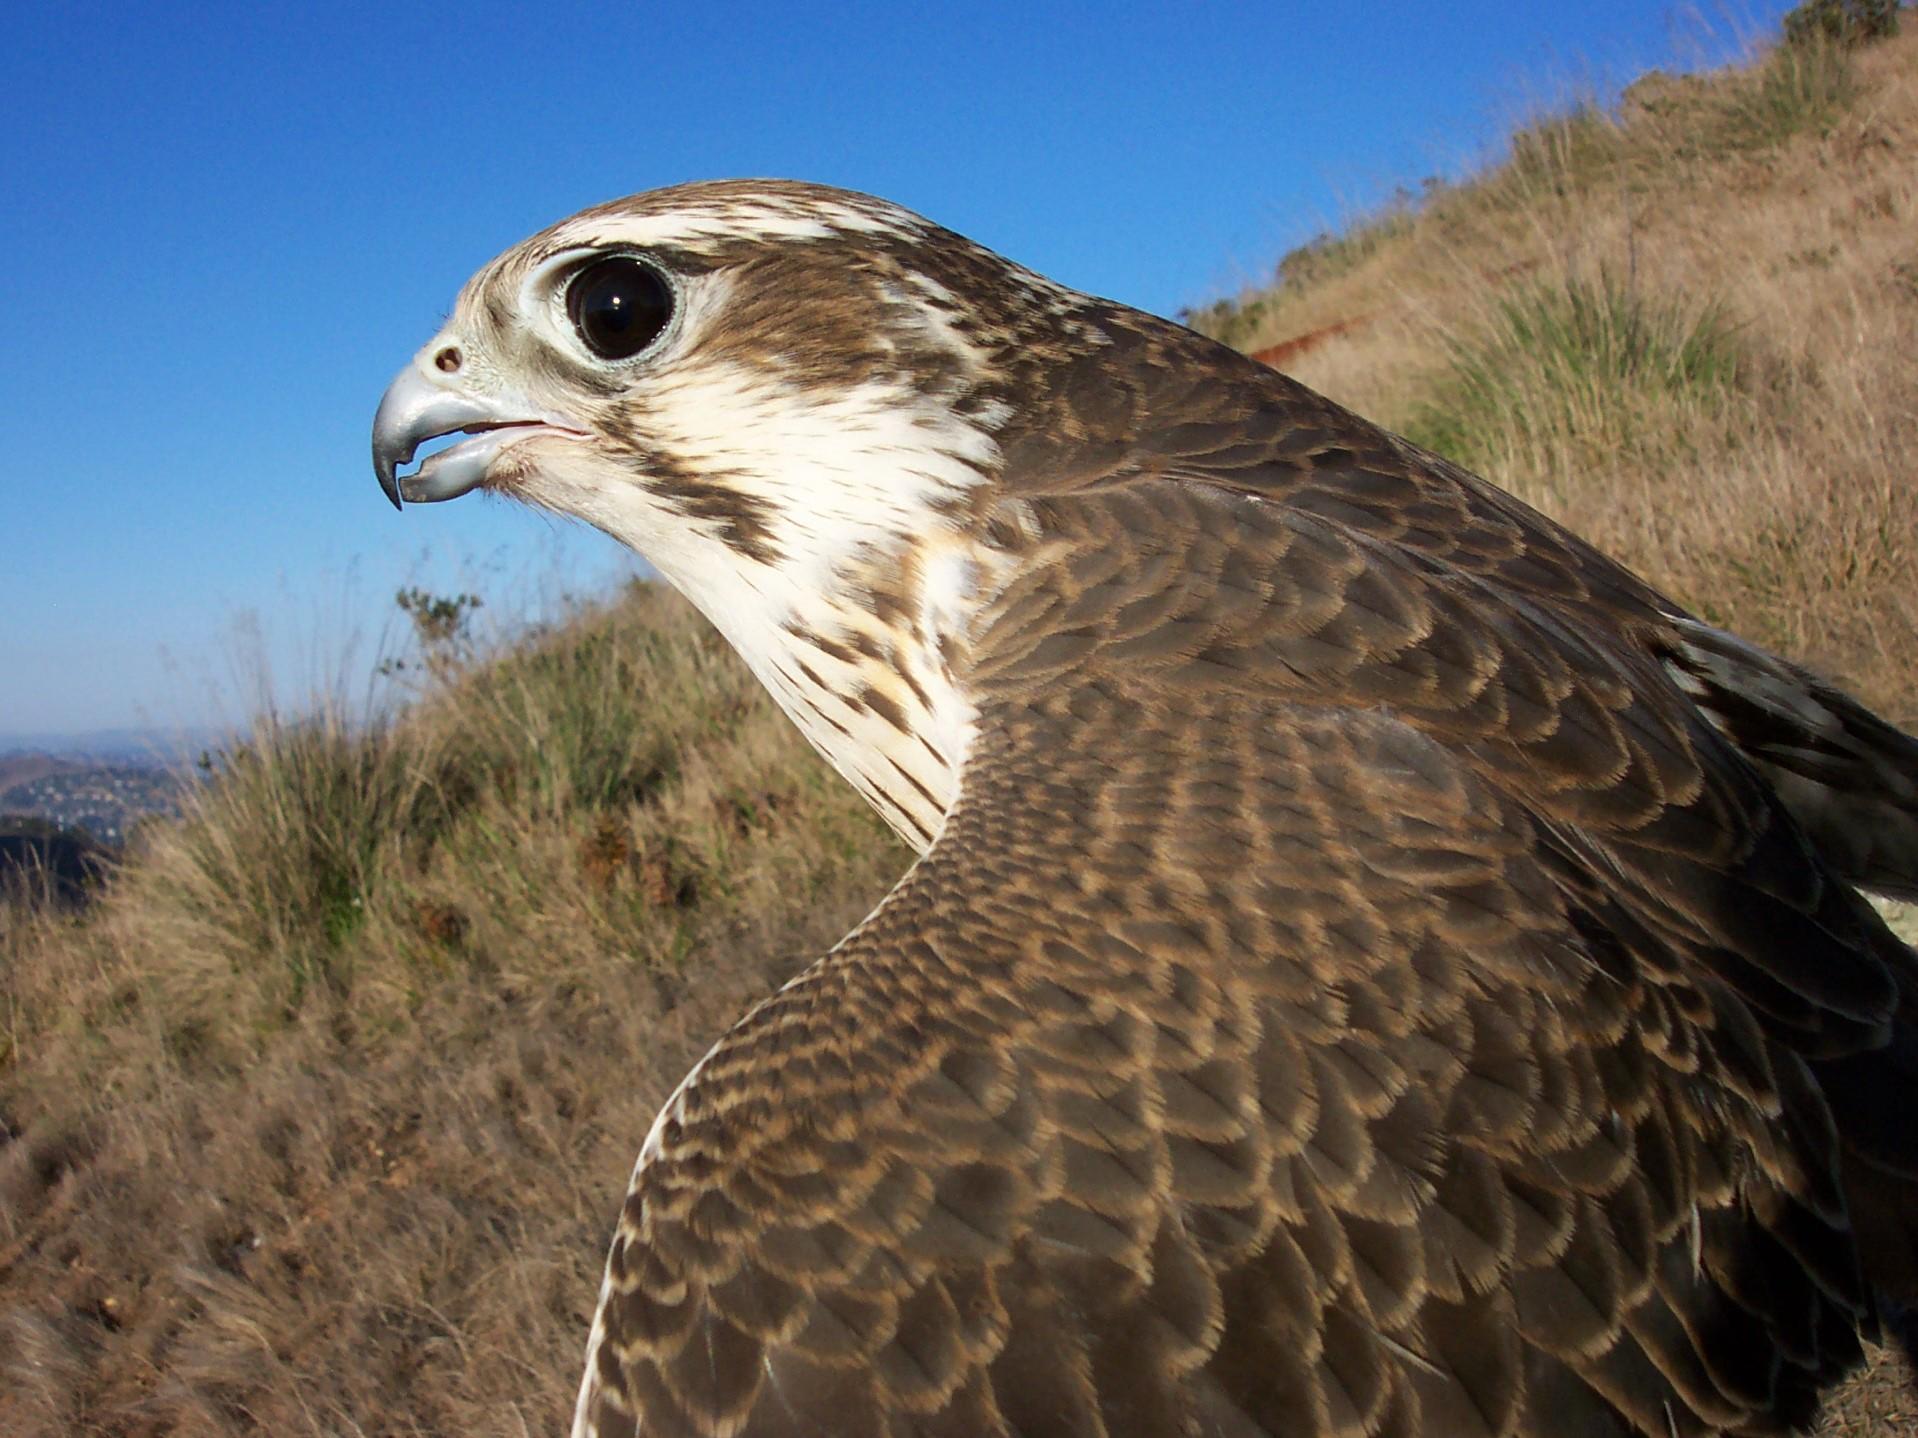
x=619, y=306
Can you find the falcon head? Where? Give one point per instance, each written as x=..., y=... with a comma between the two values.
x=790, y=400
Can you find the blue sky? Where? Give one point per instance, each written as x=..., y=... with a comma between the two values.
x=226, y=226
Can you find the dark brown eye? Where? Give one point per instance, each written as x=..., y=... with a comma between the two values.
x=619, y=306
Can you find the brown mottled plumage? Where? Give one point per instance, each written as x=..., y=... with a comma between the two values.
x=1375, y=967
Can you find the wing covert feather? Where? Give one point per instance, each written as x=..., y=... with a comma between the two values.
x=1351, y=1076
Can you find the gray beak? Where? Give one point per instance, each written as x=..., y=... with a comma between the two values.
x=414, y=410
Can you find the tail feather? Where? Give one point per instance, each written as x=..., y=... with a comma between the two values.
x=1849, y=778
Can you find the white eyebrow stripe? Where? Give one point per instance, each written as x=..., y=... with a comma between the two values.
x=821, y=219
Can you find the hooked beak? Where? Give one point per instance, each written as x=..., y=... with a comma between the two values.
x=415, y=409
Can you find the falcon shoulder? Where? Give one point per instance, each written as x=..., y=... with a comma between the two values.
x=1348, y=996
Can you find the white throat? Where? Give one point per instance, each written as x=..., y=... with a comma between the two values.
x=869, y=580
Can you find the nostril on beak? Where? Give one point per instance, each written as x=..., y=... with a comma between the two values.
x=448, y=360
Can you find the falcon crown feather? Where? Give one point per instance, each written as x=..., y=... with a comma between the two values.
x=1375, y=966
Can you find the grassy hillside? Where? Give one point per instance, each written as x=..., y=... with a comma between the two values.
x=315, y=1122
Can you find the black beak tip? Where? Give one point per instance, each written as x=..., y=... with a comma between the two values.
x=386, y=468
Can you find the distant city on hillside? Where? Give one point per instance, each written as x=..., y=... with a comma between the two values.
x=102, y=801
x=98, y=792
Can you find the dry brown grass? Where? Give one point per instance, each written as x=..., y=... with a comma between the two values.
x=319, y=1119
x=316, y=1122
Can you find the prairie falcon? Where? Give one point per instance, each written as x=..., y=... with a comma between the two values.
x=1374, y=965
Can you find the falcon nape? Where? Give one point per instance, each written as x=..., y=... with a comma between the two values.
x=1375, y=966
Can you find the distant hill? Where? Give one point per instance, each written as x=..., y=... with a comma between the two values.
x=24, y=768
x=126, y=745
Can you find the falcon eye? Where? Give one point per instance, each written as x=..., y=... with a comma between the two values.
x=619, y=306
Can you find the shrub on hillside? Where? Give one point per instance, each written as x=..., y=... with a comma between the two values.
x=1841, y=22
x=1567, y=371
x=1232, y=321
x=1800, y=87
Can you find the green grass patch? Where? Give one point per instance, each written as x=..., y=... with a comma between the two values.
x=1800, y=88
x=1557, y=155
x=1564, y=369
x=283, y=849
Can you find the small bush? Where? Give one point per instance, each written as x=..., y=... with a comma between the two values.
x=1559, y=154
x=1560, y=372
x=1801, y=87
x=1841, y=22
x=1235, y=322
x=1243, y=321
x=1327, y=256
x=575, y=719
x=279, y=855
